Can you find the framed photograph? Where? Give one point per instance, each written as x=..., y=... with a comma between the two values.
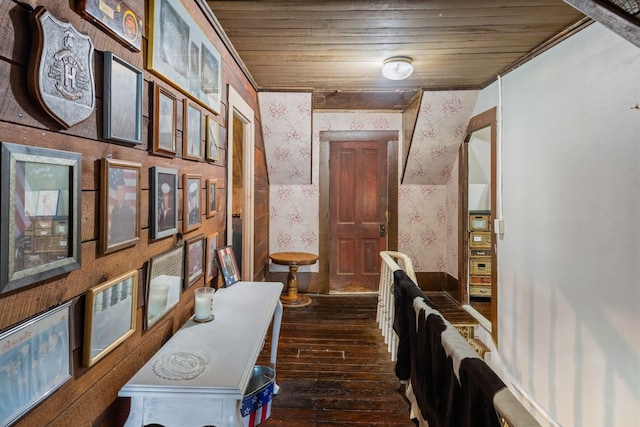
x=227, y=265
x=194, y=260
x=110, y=316
x=122, y=100
x=211, y=197
x=180, y=52
x=213, y=138
x=164, y=122
x=164, y=202
x=124, y=21
x=41, y=193
x=120, y=204
x=35, y=360
x=191, y=202
x=192, y=147
x=211, y=268
x=164, y=284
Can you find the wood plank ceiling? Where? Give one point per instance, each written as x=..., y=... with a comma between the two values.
x=336, y=48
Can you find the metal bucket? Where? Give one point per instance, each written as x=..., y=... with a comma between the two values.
x=256, y=402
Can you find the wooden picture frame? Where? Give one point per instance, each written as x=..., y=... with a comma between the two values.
x=191, y=202
x=211, y=267
x=164, y=121
x=110, y=316
x=181, y=53
x=211, y=204
x=120, y=204
x=122, y=100
x=194, y=251
x=124, y=22
x=41, y=189
x=39, y=355
x=192, y=147
x=213, y=139
x=227, y=265
x=164, y=284
x=164, y=202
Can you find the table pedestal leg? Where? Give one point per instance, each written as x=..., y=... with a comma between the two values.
x=293, y=299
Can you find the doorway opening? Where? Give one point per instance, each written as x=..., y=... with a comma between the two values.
x=240, y=175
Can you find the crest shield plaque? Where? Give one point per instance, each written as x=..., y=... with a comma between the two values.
x=61, y=69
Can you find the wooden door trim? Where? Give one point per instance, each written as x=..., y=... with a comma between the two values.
x=325, y=138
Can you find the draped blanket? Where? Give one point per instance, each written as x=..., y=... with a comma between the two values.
x=452, y=385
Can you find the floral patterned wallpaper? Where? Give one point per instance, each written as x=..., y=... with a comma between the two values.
x=427, y=206
x=286, y=129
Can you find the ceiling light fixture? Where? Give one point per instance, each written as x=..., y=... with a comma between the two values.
x=397, y=68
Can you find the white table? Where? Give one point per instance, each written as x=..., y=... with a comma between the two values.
x=233, y=340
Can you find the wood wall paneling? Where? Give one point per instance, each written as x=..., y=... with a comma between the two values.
x=90, y=397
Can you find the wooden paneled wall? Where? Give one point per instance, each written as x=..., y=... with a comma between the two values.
x=90, y=397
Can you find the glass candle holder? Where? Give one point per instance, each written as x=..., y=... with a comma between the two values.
x=204, y=303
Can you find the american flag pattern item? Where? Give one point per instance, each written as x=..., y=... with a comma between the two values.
x=256, y=407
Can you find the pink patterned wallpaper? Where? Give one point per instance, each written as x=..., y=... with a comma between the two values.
x=427, y=207
x=286, y=130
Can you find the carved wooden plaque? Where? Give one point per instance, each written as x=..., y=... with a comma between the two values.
x=61, y=69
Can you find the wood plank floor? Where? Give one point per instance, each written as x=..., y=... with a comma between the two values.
x=333, y=367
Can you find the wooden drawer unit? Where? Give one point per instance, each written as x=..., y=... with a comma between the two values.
x=480, y=239
x=479, y=222
x=480, y=266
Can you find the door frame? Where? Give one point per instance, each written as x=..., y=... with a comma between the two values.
x=482, y=120
x=325, y=138
x=239, y=108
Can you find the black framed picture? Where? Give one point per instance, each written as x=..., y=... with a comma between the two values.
x=164, y=122
x=122, y=100
x=164, y=202
x=40, y=216
x=191, y=205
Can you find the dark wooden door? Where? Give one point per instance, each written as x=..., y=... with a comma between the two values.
x=357, y=209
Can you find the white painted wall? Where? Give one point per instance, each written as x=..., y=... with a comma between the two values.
x=569, y=288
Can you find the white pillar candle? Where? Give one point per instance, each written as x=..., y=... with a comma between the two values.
x=204, y=302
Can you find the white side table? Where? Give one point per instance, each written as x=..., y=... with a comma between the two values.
x=232, y=341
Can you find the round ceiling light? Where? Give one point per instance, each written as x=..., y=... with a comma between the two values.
x=397, y=68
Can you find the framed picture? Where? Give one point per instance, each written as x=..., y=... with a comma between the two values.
x=164, y=284
x=211, y=267
x=194, y=260
x=192, y=147
x=124, y=21
x=191, y=185
x=110, y=316
x=35, y=360
x=164, y=122
x=211, y=197
x=227, y=264
x=120, y=204
x=213, y=137
x=122, y=100
x=164, y=202
x=40, y=214
x=181, y=53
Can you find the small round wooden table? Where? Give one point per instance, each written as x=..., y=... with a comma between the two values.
x=293, y=260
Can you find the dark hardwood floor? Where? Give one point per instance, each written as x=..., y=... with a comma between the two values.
x=333, y=367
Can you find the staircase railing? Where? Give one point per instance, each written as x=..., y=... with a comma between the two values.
x=391, y=261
